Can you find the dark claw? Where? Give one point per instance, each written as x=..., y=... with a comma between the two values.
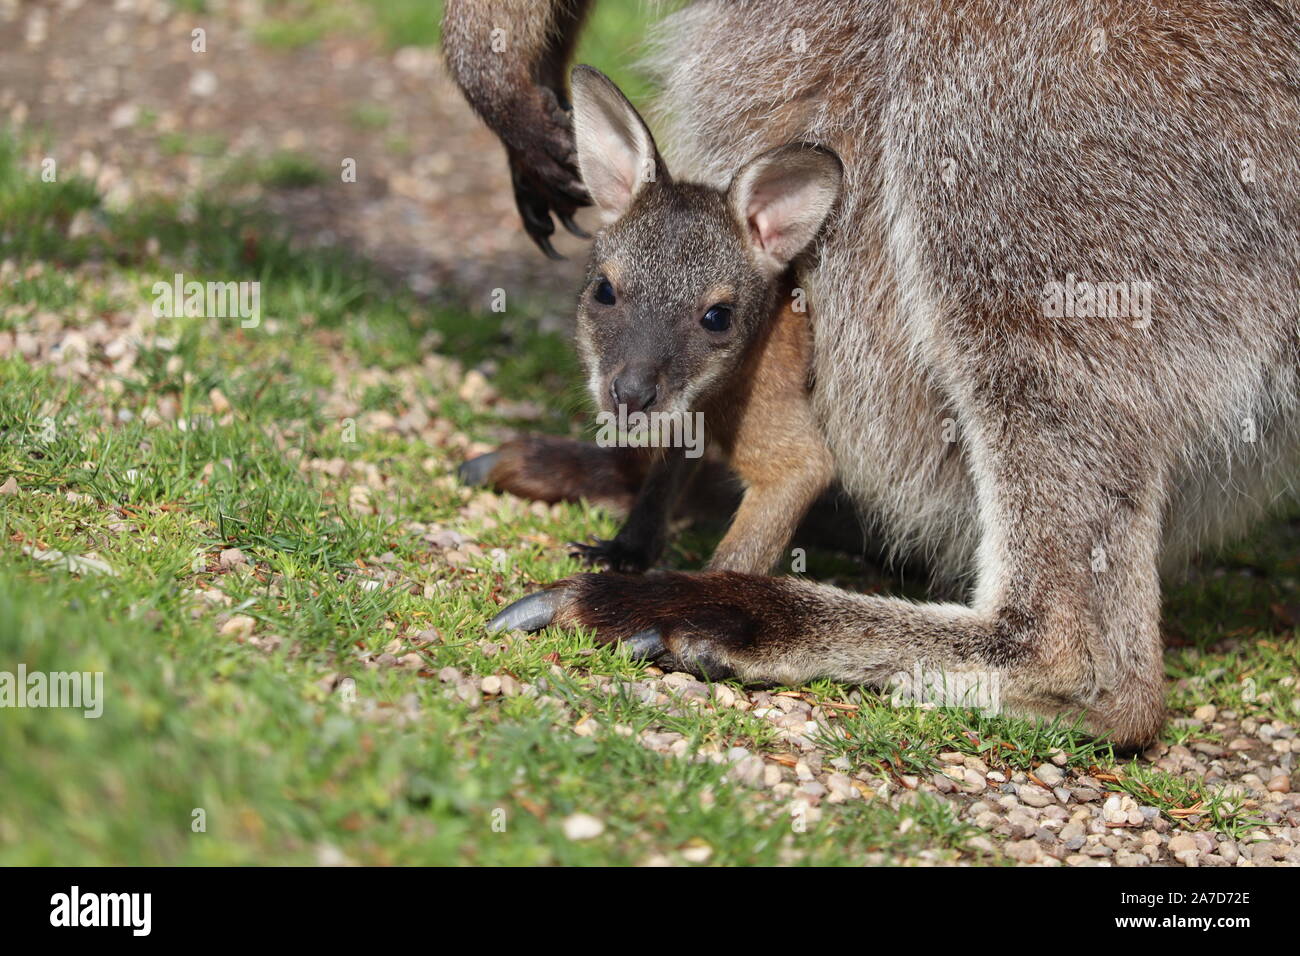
x=575, y=192
x=646, y=645
x=536, y=218
x=531, y=613
x=538, y=225
x=536, y=215
x=573, y=227
x=476, y=471
x=544, y=243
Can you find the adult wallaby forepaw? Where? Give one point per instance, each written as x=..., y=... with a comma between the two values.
x=717, y=623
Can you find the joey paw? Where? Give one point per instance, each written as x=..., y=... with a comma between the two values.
x=610, y=554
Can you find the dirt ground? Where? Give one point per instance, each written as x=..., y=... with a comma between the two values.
x=117, y=93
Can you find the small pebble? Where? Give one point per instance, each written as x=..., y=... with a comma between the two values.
x=583, y=826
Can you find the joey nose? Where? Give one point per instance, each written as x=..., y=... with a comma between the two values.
x=636, y=388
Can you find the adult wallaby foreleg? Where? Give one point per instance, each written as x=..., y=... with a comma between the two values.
x=511, y=61
x=1063, y=620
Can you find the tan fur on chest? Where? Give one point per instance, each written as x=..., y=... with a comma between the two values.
x=764, y=424
x=767, y=428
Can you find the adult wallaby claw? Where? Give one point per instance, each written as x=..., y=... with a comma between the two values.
x=544, y=243
x=573, y=227
x=646, y=645
x=531, y=613
x=476, y=471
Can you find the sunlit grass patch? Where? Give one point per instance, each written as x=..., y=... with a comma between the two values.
x=1185, y=801
x=905, y=739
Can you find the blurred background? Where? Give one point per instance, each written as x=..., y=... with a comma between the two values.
x=286, y=89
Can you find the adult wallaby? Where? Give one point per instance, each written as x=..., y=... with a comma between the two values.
x=680, y=317
x=1005, y=162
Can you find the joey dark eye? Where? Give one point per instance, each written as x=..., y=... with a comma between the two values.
x=604, y=292
x=717, y=319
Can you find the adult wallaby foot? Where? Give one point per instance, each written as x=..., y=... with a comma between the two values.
x=1026, y=658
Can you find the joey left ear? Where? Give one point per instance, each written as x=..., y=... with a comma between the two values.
x=782, y=197
x=616, y=153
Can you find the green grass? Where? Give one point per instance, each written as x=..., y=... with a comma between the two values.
x=40, y=202
x=207, y=145
x=370, y=116
x=407, y=22
x=1186, y=801
x=283, y=169
x=290, y=24
x=280, y=770
x=904, y=740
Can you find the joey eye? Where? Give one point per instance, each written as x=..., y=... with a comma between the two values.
x=604, y=292
x=717, y=319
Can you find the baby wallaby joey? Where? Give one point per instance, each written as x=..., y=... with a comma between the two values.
x=686, y=311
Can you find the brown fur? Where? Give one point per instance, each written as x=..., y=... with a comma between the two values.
x=761, y=424
x=674, y=254
x=550, y=468
x=511, y=61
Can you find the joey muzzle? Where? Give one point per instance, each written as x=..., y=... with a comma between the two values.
x=636, y=386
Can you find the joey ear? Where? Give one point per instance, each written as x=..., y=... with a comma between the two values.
x=616, y=153
x=782, y=197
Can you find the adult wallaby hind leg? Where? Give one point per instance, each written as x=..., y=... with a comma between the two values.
x=1049, y=635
